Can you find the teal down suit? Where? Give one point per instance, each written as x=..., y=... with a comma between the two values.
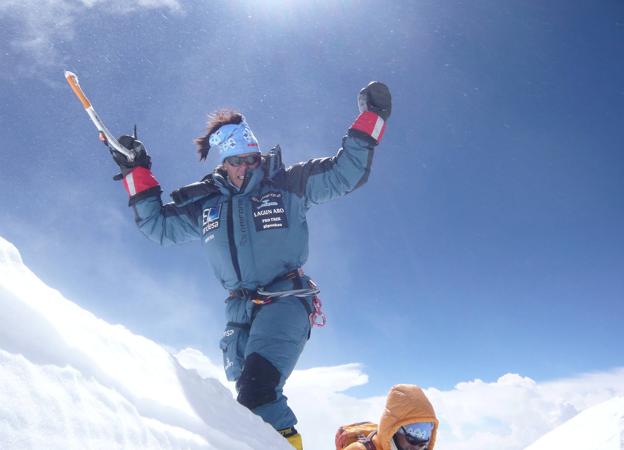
x=253, y=237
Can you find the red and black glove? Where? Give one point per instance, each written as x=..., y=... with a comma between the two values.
x=136, y=174
x=375, y=104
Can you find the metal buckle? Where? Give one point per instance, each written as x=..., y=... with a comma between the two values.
x=259, y=301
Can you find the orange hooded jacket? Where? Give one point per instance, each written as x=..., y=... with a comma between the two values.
x=405, y=404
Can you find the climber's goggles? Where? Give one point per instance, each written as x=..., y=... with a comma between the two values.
x=418, y=433
x=249, y=160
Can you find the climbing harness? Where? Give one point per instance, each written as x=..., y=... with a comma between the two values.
x=261, y=296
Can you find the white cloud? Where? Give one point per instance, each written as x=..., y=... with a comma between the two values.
x=507, y=414
x=35, y=27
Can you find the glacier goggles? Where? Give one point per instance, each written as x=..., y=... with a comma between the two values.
x=250, y=160
x=418, y=433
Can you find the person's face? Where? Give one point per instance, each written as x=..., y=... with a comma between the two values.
x=237, y=167
x=403, y=444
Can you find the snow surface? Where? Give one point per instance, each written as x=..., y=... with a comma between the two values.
x=69, y=380
x=600, y=427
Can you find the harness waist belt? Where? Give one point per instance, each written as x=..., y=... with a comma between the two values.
x=251, y=293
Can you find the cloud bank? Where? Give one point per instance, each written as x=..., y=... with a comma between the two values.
x=507, y=414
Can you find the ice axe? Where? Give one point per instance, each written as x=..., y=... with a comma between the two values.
x=105, y=135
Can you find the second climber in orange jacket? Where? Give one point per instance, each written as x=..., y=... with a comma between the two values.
x=407, y=423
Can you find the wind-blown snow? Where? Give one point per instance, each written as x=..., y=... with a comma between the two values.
x=69, y=380
x=600, y=427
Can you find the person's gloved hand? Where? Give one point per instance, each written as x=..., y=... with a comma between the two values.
x=376, y=98
x=141, y=159
x=375, y=104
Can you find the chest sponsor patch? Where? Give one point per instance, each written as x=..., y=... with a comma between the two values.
x=211, y=218
x=268, y=211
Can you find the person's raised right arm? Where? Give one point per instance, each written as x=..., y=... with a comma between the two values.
x=165, y=224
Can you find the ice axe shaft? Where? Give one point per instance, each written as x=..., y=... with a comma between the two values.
x=105, y=135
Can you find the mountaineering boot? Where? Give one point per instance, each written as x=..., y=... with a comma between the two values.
x=293, y=437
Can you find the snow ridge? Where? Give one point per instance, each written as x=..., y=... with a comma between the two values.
x=599, y=427
x=69, y=380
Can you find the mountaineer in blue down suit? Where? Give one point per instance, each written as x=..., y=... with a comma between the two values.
x=250, y=215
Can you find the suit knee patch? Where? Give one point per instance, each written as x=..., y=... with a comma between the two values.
x=257, y=383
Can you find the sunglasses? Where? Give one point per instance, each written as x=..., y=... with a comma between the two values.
x=418, y=433
x=248, y=160
x=416, y=441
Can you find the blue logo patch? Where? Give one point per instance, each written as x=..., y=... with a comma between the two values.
x=211, y=219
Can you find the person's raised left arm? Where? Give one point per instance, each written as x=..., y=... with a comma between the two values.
x=323, y=179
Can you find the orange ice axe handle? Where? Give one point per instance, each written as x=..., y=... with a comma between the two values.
x=105, y=135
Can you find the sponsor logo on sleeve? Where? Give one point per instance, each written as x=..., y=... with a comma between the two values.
x=211, y=218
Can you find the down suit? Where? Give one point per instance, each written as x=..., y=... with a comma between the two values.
x=255, y=237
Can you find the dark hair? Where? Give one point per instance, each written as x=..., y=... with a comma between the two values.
x=216, y=120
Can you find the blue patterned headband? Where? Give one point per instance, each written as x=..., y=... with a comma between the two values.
x=234, y=140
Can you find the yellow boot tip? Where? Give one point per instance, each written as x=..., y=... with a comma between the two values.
x=293, y=437
x=295, y=441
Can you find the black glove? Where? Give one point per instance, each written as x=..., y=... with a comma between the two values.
x=141, y=158
x=376, y=98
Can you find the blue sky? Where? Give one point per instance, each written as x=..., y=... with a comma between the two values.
x=488, y=239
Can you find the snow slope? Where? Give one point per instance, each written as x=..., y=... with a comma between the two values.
x=69, y=380
x=600, y=427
